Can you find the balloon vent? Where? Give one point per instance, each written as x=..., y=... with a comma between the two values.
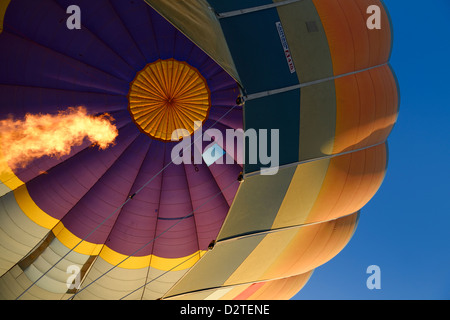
x=167, y=98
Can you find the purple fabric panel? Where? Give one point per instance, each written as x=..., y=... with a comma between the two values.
x=210, y=69
x=44, y=22
x=198, y=59
x=233, y=150
x=224, y=97
x=175, y=204
x=136, y=225
x=199, y=200
x=222, y=81
x=210, y=206
x=220, y=125
x=226, y=178
x=101, y=19
x=45, y=68
x=135, y=15
x=224, y=174
x=18, y=100
x=183, y=47
x=65, y=184
x=33, y=65
x=93, y=211
x=165, y=35
x=230, y=118
x=175, y=200
x=175, y=238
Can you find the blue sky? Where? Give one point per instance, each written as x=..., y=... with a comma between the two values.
x=405, y=228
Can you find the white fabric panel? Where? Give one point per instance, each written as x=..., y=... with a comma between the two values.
x=56, y=279
x=18, y=234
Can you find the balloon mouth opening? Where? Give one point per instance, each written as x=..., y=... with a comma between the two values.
x=168, y=98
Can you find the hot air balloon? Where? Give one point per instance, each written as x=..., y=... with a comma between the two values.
x=125, y=221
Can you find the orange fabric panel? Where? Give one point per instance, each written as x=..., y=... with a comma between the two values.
x=347, y=113
x=338, y=178
x=366, y=109
x=355, y=111
x=249, y=291
x=281, y=289
x=356, y=20
x=366, y=124
x=233, y=293
x=313, y=246
x=338, y=35
x=380, y=41
x=352, y=45
x=375, y=169
x=385, y=91
x=349, y=184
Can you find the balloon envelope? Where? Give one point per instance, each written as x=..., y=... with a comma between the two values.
x=134, y=224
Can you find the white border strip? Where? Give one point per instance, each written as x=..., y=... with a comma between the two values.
x=306, y=84
x=254, y=9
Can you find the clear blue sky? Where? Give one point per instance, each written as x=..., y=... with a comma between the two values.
x=405, y=228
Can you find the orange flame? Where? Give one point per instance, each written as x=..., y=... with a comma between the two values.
x=38, y=135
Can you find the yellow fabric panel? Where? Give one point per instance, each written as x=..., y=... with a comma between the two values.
x=357, y=172
x=135, y=262
x=70, y=241
x=209, y=294
x=3, y=6
x=235, y=291
x=277, y=289
x=335, y=182
x=176, y=264
x=258, y=196
x=312, y=61
x=30, y=208
x=281, y=289
x=220, y=294
x=349, y=183
x=168, y=95
x=312, y=246
x=302, y=193
x=265, y=254
x=113, y=257
x=353, y=46
x=294, y=251
x=317, y=120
